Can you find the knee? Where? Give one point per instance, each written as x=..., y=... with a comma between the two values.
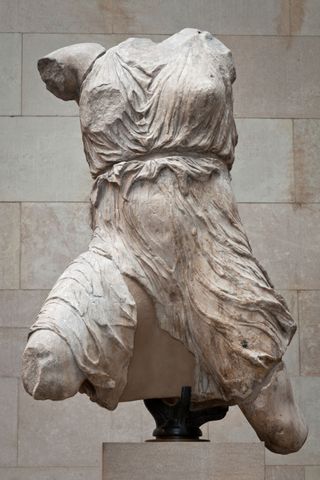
x=281, y=427
x=286, y=436
x=275, y=416
x=49, y=370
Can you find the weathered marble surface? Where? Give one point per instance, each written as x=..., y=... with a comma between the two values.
x=169, y=260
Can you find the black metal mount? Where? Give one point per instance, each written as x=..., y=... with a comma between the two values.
x=177, y=422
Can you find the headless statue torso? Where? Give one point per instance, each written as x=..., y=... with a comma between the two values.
x=168, y=293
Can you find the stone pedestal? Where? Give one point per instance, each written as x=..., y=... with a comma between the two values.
x=182, y=461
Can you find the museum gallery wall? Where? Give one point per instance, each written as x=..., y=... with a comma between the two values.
x=44, y=194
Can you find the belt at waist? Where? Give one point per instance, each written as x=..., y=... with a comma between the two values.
x=147, y=167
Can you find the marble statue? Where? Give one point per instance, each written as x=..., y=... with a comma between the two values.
x=168, y=293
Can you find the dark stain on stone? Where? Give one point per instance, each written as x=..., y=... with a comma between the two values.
x=117, y=11
x=299, y=174
x=244, y=343
x=105, y=7
x=297, y=15
x=283, y=19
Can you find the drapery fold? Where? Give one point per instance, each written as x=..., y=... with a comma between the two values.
x=184, y=243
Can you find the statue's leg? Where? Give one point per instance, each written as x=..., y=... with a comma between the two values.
x=49, y=368
x=83, y=333
x=275, y=416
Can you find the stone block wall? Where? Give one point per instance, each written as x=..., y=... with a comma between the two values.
x=44, y=190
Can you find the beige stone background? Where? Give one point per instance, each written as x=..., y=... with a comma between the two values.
x=44, y=187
